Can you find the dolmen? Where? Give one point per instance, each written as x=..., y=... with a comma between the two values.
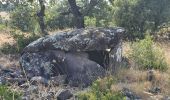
x=82, y=55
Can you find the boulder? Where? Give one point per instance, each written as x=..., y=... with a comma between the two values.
x=64, y=95
x=82, y=54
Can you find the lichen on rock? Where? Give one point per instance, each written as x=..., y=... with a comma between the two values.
x=80, y=54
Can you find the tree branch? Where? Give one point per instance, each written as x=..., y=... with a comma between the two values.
x=91, y=6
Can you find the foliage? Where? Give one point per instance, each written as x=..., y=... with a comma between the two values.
x=147, y=56
x=90, y=22
x=103, y=12
x=139, y=16
x=7, y=94
x=23, y=17
x=22, y=41
x=8, y=49
x=2, y=26
x=101, y=90
x=55, y=19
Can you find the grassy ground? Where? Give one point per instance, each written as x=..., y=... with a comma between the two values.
x=135, y=80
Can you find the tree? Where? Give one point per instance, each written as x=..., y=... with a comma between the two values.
x=139, y=16
x=41, y=15
x=79, y=16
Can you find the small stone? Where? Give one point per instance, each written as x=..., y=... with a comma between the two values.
x=155, y=90
x=16, y=80
x=2, y=80
x=166, y=98
x=64, y=94
x=131, y=95
x=47, y=95
x=58, y=80
x=7, y=70
x=38, y=79
x=150, y=75
x=33, y=89
x=25, y=98
x=25, y=85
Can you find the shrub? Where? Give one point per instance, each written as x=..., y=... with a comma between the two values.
x=146, y=55
x=90, y=21
x=101, y=90
x=22, y=41
x=8, y=49
x=23, y=17
x=7, y=94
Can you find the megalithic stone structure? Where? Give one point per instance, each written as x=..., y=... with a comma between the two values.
x=82, y=55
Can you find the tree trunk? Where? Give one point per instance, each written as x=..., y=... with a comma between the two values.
x=41, y=15
x=77, y=14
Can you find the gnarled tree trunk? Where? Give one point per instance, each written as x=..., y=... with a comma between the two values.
x=41, y=15
x=77, y=14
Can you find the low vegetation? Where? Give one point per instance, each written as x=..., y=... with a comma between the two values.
x=8, y=94
x=147, y=55
x=144, y=52
x=102, y=90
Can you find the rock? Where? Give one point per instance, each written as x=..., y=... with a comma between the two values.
x=64, y=94
x=166, y=98
x=82, y=55
x=150, y=75
x=130, y=95
x=155, y=90
x=58, y=80
x=25, y=85
x=47, y=95
x=33, y=89
x=25, y=98
x=38, y=80
x=16, y=80
x=2, y=80
x=6, y=70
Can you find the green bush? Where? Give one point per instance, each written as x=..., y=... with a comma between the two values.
x=22, y=41
x=146, y=55
x=8, y=49
x=101, y=90
x=24, y=18
x=89, y=21
x=7, y=94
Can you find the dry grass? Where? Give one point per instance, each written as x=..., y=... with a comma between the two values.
x=5, y=15
x=9, y=60
x=136, y=80
x=6, y=38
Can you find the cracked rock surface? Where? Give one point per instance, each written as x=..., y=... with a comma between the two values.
x=81, y=54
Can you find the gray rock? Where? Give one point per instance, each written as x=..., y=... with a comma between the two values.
x=16, y=80
x=150, y=75
x=47, y=95
x=58, y=80
x=38, y=80
x=82, y=54
x=25, y=85
x=130, y=95
x=2, y=80
x=64, y=94
x=166, y=98
x=155, y=90
x=33, y=89
x=89, y=39
x=25, y=98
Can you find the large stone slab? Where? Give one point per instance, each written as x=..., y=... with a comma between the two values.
x=82, y=55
